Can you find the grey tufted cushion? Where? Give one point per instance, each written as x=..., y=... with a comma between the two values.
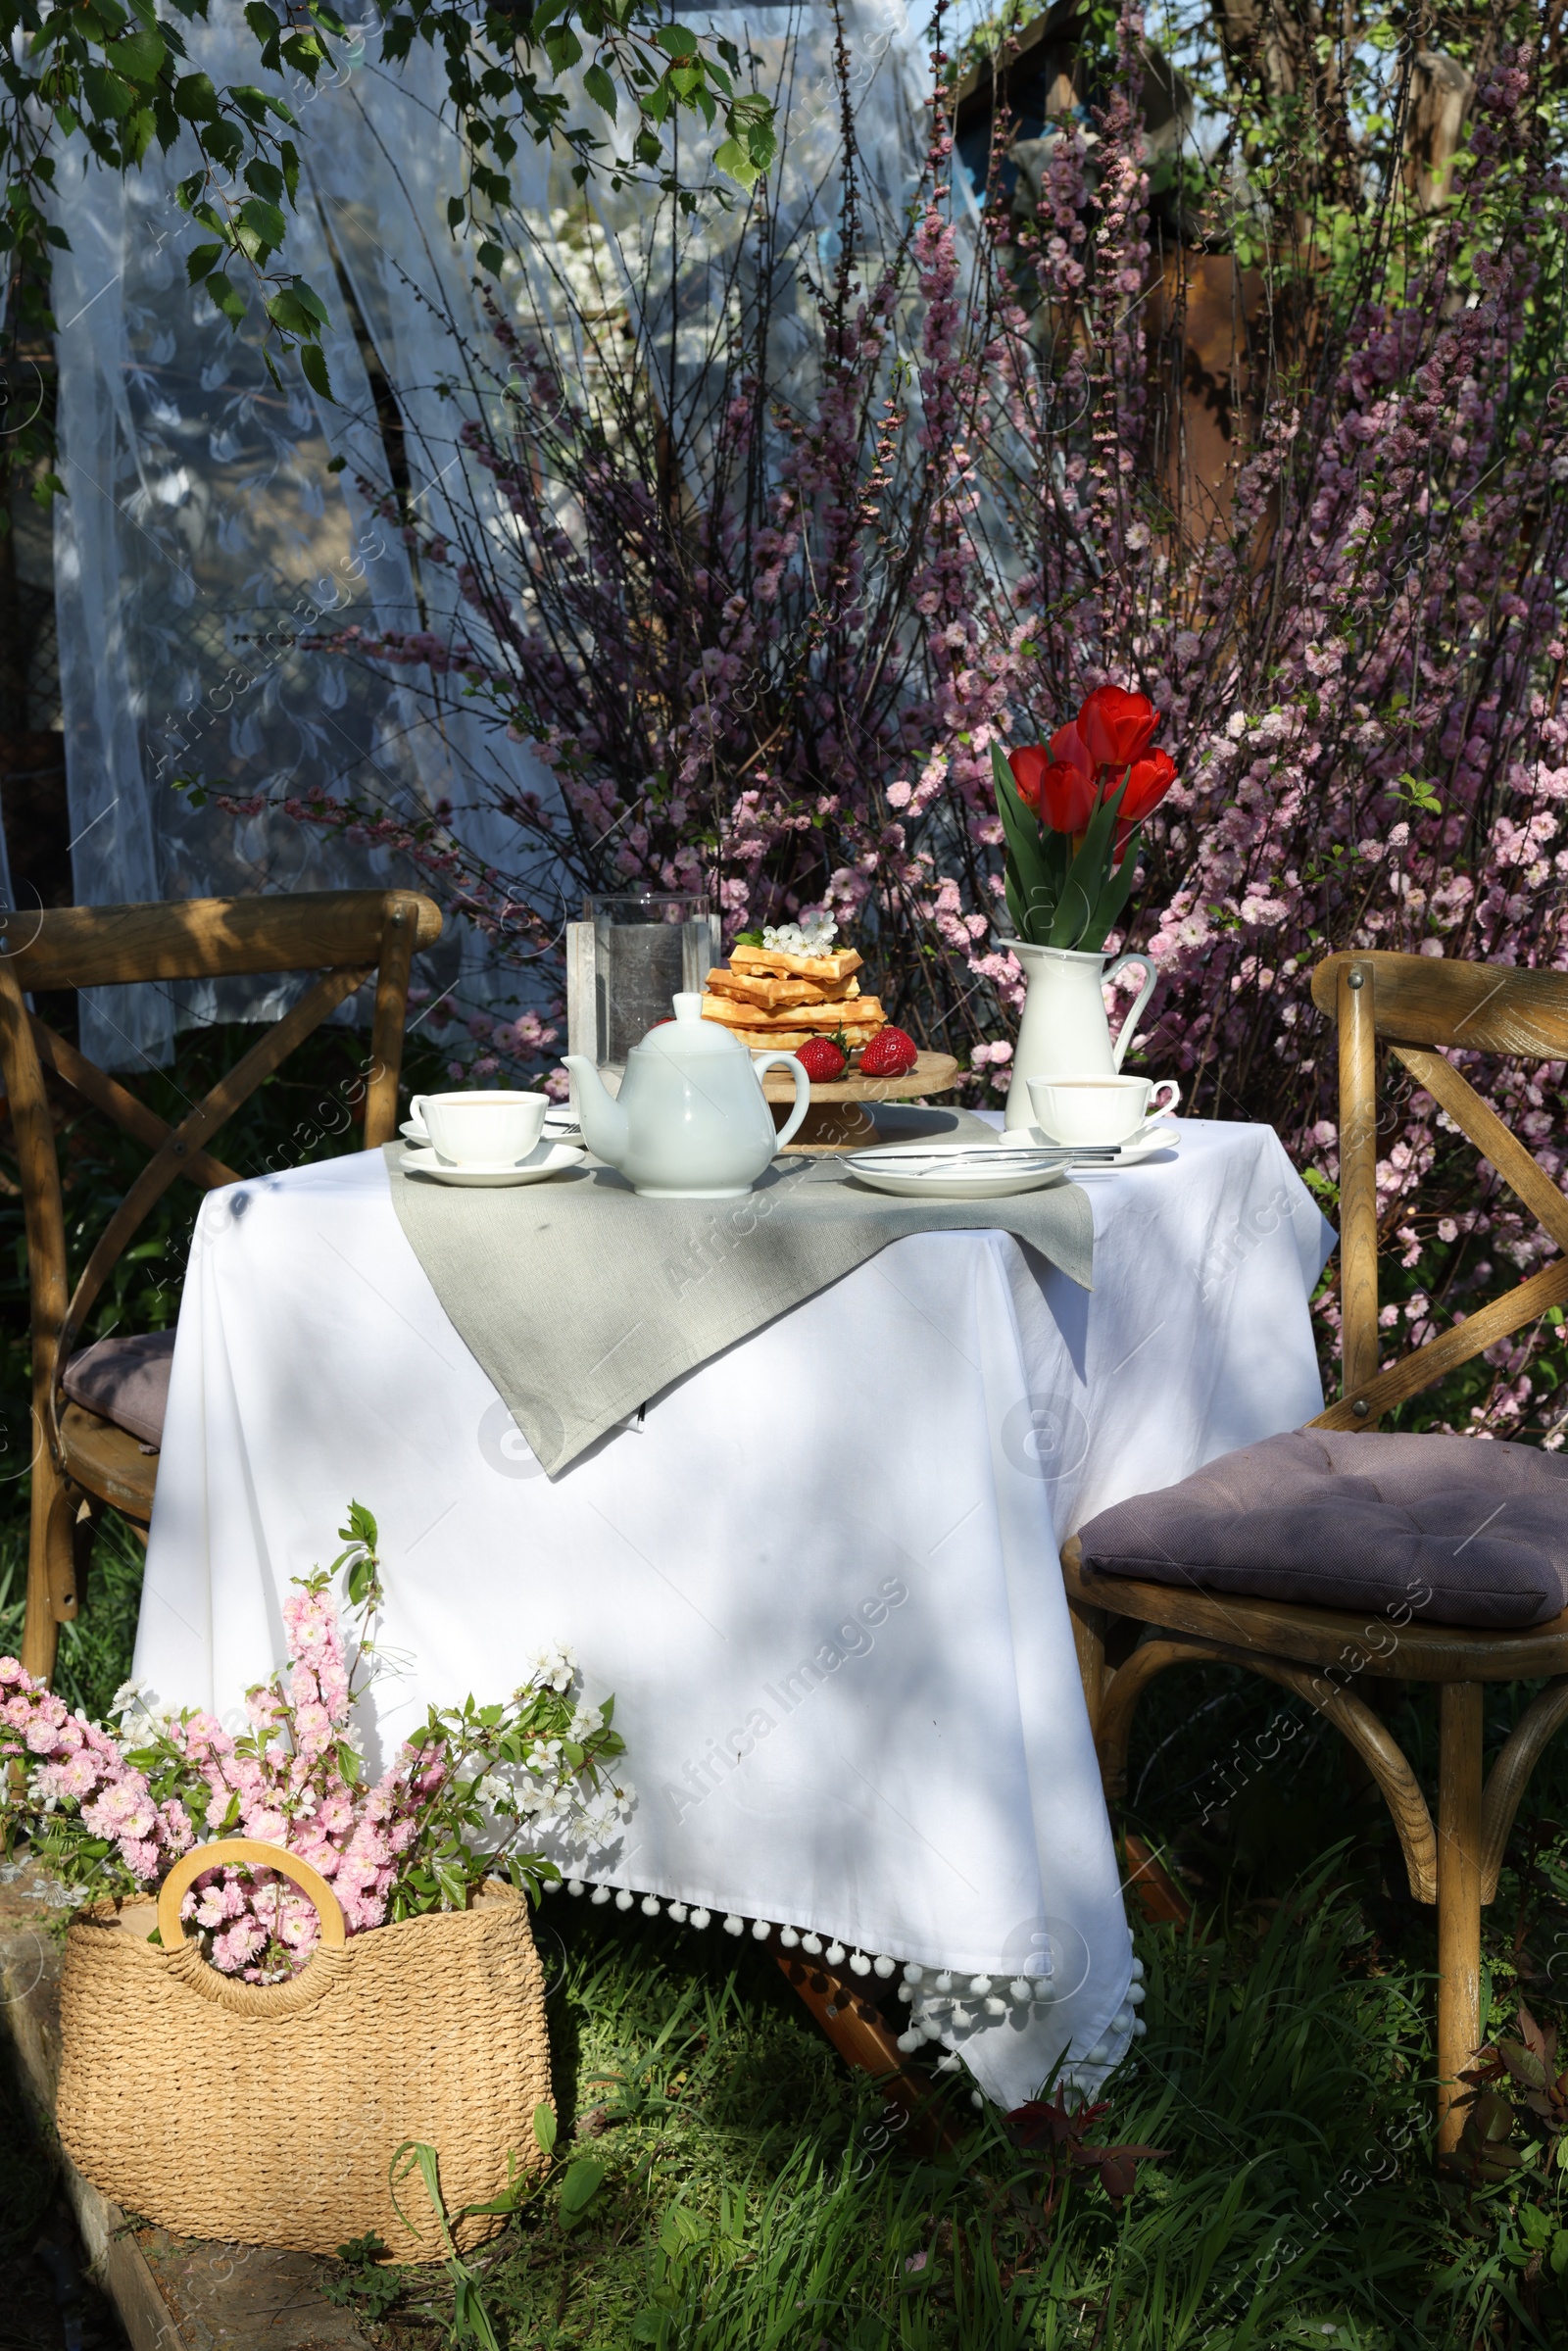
x=1458, y=1530
x=125, y=1381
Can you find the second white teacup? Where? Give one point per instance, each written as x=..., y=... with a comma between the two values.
x=1098, y=1109
x=494, y=1127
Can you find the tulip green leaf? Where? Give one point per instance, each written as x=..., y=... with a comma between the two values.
x=1114, y=896
x=1081, y=892
x=1031, y=899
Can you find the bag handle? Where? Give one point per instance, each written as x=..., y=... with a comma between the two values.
x=226, y=1851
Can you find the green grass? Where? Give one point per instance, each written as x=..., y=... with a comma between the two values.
x=753, y=2199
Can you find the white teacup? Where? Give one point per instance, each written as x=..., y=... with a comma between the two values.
x=466, y=1129
x=1100, y=1110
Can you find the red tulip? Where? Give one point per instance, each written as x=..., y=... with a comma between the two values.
x=1068, y=749
x=1061, y=793
x=1117, y=727
x=1029, y=763
x=1148, y=782
x=1067, y=797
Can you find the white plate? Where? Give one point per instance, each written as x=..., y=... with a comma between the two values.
x=1014, y=1153
x=547, y=1160
x=972, y=1182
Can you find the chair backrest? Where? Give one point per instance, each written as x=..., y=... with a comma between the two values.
x=1417, y=1004
x=349, y=936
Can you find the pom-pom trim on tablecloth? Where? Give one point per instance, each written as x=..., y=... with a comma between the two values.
x=944, y=2004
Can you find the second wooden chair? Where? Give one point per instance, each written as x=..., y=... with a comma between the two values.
x=97, y=1412
x=1132, y=1626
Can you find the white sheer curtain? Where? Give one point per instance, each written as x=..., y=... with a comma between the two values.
x=203, y=532
x=205, y=529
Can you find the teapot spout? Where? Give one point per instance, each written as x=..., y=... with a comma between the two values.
x=604, y=1121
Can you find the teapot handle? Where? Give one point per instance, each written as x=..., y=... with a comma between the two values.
x=802, y=1091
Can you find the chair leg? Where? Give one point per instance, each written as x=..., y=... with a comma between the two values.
x=51, y=1567
x=1088, y=1639
x=1459, y=1873
x=84, y=1531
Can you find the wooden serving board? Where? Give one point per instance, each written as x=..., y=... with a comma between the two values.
x=836, y=1120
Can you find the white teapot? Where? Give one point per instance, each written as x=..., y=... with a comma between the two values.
x=691, y=1121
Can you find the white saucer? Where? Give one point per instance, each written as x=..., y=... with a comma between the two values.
x=1155, y=1134
x=561, y=1122
x=548, y=1159
x=972, y=1181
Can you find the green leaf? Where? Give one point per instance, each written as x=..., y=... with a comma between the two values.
x=140, y=53
x=225, y=142
x=304, y=53
x=264, y=220
x=288, y=315
x=752, y=120
x=310, y=299
x=601, y=89
x=676, y=41
x=562, y=47
x=201, y=262
x=1032, y=898
x=680, y=2229
x=313, y=366
x=362, y=1526
x=263, y=179
x=1114, y=896
x=227, y=298
x=195, y=98
x=109, y=97
x=582, y=2184
x=544, y=2128
x=1086, y=875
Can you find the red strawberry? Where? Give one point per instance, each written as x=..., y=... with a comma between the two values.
x=889, y=1053
x=821, y=1059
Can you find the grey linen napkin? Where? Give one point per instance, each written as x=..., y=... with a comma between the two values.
x=580, y=1301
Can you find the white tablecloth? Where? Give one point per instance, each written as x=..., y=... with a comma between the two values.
x=821, y=1575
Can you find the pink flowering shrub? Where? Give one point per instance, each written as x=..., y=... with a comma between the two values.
x=766, y=639
x=476, y=1792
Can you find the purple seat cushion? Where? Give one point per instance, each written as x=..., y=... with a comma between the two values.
x=1456, y=1530
x=125, y=1381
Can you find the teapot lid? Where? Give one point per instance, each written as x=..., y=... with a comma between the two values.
x=689, y=1033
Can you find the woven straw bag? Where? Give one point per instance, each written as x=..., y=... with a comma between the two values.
x=270, y=2114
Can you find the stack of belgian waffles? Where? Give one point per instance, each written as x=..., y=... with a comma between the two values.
x=774, y=1002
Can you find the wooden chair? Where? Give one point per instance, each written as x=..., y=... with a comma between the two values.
x=1129, y=1631
x=82, y=1460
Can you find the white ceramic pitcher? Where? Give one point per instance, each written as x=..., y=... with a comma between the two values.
x=1064, y=1031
